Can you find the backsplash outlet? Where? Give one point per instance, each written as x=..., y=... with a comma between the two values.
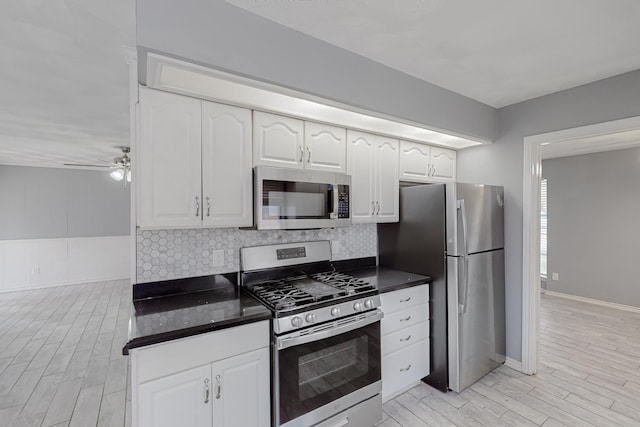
x=173, y=254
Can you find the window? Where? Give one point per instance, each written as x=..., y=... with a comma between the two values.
x=543, y=228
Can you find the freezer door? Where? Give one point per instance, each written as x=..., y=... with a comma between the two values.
x=481, y=317
x=475, y=218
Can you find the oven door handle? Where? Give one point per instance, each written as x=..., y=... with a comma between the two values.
x=286, y=342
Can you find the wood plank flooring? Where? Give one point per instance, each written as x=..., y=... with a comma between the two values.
x=61, y=360
x=589, y=375
x=61, y=365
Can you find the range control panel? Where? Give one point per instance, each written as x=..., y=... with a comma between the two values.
x=289, y=253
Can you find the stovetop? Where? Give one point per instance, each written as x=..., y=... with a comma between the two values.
x=307, y=290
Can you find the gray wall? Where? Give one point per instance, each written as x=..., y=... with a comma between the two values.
x=593, y=228
x=220, y=35
x=43, y=203
x=501, y=163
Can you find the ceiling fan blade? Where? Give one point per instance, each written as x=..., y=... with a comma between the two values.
x=87, y=166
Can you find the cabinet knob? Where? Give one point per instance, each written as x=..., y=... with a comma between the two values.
x=208, y=206
x=301, y=154
x=206, y=390
x=378, y=206
x=405, y=339
x=373, y=208
x=406, y=319
x=308, y=155
x=405, y=369
x=197, y=206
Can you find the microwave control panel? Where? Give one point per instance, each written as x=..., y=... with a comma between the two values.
x=343, y=201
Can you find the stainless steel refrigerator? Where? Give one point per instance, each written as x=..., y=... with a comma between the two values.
x=455, y=234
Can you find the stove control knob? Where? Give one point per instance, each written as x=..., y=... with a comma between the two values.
x=368, y=303
x=311, y=318
x=357, y=306
x=296, y=322
x=335, y=311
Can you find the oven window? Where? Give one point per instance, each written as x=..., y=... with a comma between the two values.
x=314, y=374
x=295, y=200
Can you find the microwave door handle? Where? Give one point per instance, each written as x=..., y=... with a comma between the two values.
x=282, y=343
x=335, y=197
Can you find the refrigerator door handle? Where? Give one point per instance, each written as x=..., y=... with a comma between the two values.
x=463, y=214
x=462, y=306
x=465, y=281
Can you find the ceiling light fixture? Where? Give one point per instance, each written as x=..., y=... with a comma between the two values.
x=122, y=169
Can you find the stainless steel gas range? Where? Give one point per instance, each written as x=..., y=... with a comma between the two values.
x=326, y=336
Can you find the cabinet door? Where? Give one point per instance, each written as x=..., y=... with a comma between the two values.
x=414, y=161
x=226, y=166
x=168, y=160
x=325, y=147
x=443, y=163
x=387, y=191
x=361, y=167
x=277, y=140
x=177, y=400
x=241, y=390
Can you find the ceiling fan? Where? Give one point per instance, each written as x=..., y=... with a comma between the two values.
x=121, y=166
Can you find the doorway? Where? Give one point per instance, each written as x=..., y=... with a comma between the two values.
x=581, y=140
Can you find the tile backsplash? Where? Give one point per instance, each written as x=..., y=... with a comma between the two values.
x=173, y=254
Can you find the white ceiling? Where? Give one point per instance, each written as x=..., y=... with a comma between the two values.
x=498, y=52
x=64, y=76
x=64, y=80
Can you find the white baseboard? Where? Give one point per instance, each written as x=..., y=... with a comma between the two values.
x=65, y=283
x=592, y=301
x=513, y=364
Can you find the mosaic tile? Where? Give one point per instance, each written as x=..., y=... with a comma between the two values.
x=173, y=254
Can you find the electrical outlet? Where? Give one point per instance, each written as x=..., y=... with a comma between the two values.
x=217, y=259
x=555, y=276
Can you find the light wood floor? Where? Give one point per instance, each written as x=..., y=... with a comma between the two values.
x=61, y=357
x=589, y=376
x=61, y=365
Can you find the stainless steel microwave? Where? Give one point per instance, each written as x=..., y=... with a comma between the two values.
x=295, y=199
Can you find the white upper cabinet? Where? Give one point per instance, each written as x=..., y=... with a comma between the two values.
x=291, y=143
x=278, y=141
x=361, y=166
x=226, y=166
x=420, y=162
x=372, y=162
x=194, y=163
x=325, y=147
x=387, y=201
x=443, y=163
x=168, y=160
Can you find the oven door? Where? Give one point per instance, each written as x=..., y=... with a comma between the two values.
x=323, y=372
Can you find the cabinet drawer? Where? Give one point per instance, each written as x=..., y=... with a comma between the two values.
x=399, y=300
x=404, y=337
x=403, y=367
x=402, y=319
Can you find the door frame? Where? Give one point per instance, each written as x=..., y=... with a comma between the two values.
x=532, y=174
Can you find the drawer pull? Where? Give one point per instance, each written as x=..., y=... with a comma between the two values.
x=406, y=299
x=405, y=339
x=405, y=369
x=406, y=319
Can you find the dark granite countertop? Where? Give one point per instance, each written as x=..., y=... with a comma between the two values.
x=386, y=279
x=164, y=311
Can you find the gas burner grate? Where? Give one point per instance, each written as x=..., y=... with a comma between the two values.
x=343, y=281
x=281, y=294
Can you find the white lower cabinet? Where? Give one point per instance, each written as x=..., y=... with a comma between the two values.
x=218, y=379
x=405, y=339
x=241, y=391
x=177, y=400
